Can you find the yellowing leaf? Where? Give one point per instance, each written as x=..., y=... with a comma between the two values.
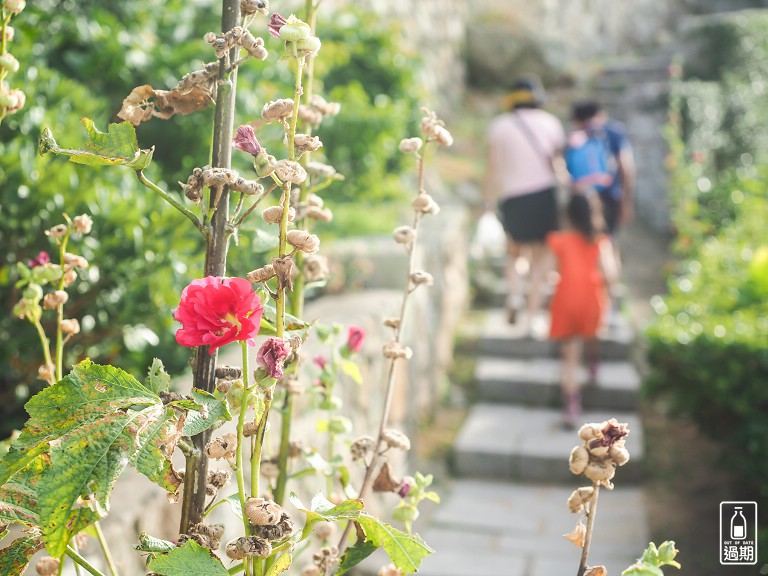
x=15, y=558
x=282, y=564
x=117, y=147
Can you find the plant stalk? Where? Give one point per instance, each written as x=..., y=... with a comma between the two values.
x=170, y=199
x=217, y=242
x=105, y=549
x=590, y=527
x=82, y=561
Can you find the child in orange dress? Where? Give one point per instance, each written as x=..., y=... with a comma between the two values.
x=584, y=263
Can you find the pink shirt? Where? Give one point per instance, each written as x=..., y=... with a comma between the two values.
x=519, y=166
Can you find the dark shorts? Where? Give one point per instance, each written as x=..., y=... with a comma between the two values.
x=611, y=213
x=530, y=217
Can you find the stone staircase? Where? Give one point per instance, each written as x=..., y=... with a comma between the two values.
x=505, y=511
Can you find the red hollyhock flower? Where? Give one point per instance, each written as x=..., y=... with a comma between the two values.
x=272, y=354
x=245, y=140
x=215, y=311
x=355, y=337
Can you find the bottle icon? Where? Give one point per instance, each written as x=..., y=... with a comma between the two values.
x=738, y=525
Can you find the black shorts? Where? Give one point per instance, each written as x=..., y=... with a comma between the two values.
x=530, y=217
x=611, y=213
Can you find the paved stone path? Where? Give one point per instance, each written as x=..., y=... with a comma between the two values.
x=505, y=511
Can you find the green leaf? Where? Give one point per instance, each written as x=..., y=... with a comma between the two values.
x=262, y=241
x=406, y=551
x=189, y=559
x=82, y=433
x=158, y=380
x=213, y=410
x=15, y=558
x=352, y=370
x=433, y=496
x=117, y=147
x=294, y=326
x=282, y=564
x=322, y=509
x=319, y=464
x=234, y=503
x=642, y=569
x=354, y=555
x=149, y=543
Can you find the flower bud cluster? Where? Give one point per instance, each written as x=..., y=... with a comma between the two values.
x=208, y=536
x=434, y=129
x=237, y=36
x=601, y=452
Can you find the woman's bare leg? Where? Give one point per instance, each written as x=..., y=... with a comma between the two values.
x=514, y=283
x=570, y=353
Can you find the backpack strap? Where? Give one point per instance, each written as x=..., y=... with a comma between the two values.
x=533, y=141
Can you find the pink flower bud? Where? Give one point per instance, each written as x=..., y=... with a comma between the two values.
x=355, y=337
x=276, y=21
x=41, y=259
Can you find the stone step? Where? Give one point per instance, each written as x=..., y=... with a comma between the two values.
x=486, y=528
x=530, y=444
x=536, y=381
x=497, y=337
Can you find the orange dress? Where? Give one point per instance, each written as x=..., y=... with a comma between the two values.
x=580, y=299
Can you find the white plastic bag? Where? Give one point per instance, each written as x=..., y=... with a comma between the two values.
x=489, y=239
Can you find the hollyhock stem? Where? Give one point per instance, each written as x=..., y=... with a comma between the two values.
x=60, y=310
x=217, y=242
x=280, y=305
x=239, y=465
x=45, y=344
x=590, y=528
x=390, y=389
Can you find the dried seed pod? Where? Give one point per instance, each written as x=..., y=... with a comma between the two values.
x=270, y=469
x=404, y=235
x=250, y=429
x=306, y=143
x=596, y=571
x=578, y=535
x=290, y=171
x=425, y=204
x=395, y=439
x=70, y=326
x=384, y=481
x=315, y=267
x=219, y=478
x=392, y=323
x=590, y=431
x=320, y=169
x=222, y=447
x=419, y=277
x=580, y=497
x=303, y=240
x=598, y=451
x=410, y=145
x=320, y=214
x=261, y=274
x=362, y=447
x=75, y=261
x=262, y=512
x=390, y=570
x=47, y=566
x=248, y=7
x=248, y=546
x=578, y=459
x=82, y=224
x=393, y=349
x=599, y=471
x=325, y=530
x=226, y=372
x=311, y=570
x=53, y=300
x=442, y=136
x=57, y=231
x=619, y=455
x=277, y=110
x=247, y=187
x=283, y=268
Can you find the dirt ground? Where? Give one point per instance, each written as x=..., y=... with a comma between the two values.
x=687, y=480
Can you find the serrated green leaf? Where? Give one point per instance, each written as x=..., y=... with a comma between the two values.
x=281, y=565
x=188, y=559
x=149, y=543
x=158, y=380
x=15, y=558
x=322, y=509
x=213, y=410
x=354, y=555
x=352, y=370
x=117, y=147
x=406, y=551
x=82, y=433
x=234, y=504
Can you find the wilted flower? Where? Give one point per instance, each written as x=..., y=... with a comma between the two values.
x=70, y=326
x=53, y=300
x=46, y=372
x=290, y=171
x=404, y=234
x=245, y=140
x=277, y=109
x=272, y=354
x=355, y=337
x=395, y=439
x=215, y=311
x=276, y=21
x=315, y=267
x=303, y=240
x=57, y=231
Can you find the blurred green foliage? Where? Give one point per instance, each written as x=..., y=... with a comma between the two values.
x=708, y=345
x=80, y=59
